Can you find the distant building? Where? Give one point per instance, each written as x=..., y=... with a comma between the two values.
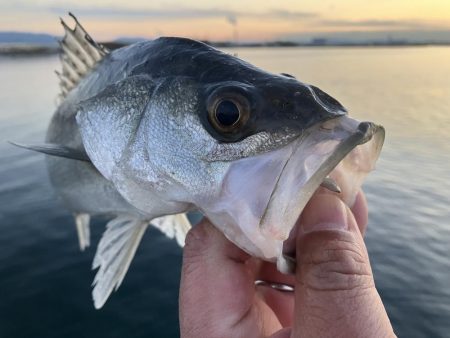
x=319, y=41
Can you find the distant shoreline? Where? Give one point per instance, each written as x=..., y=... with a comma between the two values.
x=27, y=50
x=37, y=50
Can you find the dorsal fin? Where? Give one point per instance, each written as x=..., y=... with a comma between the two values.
x=79, y=54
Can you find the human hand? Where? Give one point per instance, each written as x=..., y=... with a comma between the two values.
x=335, y=294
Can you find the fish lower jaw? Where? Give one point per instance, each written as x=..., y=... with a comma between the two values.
x=286, y=261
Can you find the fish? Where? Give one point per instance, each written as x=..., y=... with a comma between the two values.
x=152, y=131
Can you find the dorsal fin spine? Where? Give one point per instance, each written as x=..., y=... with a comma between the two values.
x=70, y=38
x=76, y=60
x=79, y=54
x=65, y=81
x=69, y=71
x=96, y=50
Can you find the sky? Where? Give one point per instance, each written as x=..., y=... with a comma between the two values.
x=249, y=20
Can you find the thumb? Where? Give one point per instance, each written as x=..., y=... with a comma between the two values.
x=335, y=294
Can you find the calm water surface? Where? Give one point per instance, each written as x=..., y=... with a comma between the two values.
x=45, y=281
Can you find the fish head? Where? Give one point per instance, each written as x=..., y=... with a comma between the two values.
x=246, y=147
x=295, y=136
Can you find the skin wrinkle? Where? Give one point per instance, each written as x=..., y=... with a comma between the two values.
x=324, y=322
x=331, y=290
x=326, y=276
x=340, y=264
x=347, y=267
x=324, y=279
x=347, y=249
x=336, y=255
x=245, y=316
x=255, y=314
x=343, y=295
x=280, y=303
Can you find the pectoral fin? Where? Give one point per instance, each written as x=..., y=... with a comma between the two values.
x=55, y=150
x=174, y=226
x=114, y=255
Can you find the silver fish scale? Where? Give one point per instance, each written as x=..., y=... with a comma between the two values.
x=111, y=119
x=176, y=141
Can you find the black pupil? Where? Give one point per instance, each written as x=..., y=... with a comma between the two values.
x=227, y=113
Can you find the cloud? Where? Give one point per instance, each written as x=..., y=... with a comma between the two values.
x=281, y=13
x=374, y=23
x=142, y=12
x=181, y=12
x=167, y=14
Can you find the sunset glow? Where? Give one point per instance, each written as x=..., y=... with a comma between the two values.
x=222, y=20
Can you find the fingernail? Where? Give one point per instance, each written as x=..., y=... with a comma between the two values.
x=324, y=212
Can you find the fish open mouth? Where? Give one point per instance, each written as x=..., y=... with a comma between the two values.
x=336, y=155
x=263, y=196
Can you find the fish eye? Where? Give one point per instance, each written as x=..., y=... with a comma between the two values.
x=229, y=113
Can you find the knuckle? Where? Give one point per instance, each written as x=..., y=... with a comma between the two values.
x=198, y=246
x=336, y=263
x=197, y=238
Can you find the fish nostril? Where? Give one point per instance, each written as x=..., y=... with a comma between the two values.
x=364, y=127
